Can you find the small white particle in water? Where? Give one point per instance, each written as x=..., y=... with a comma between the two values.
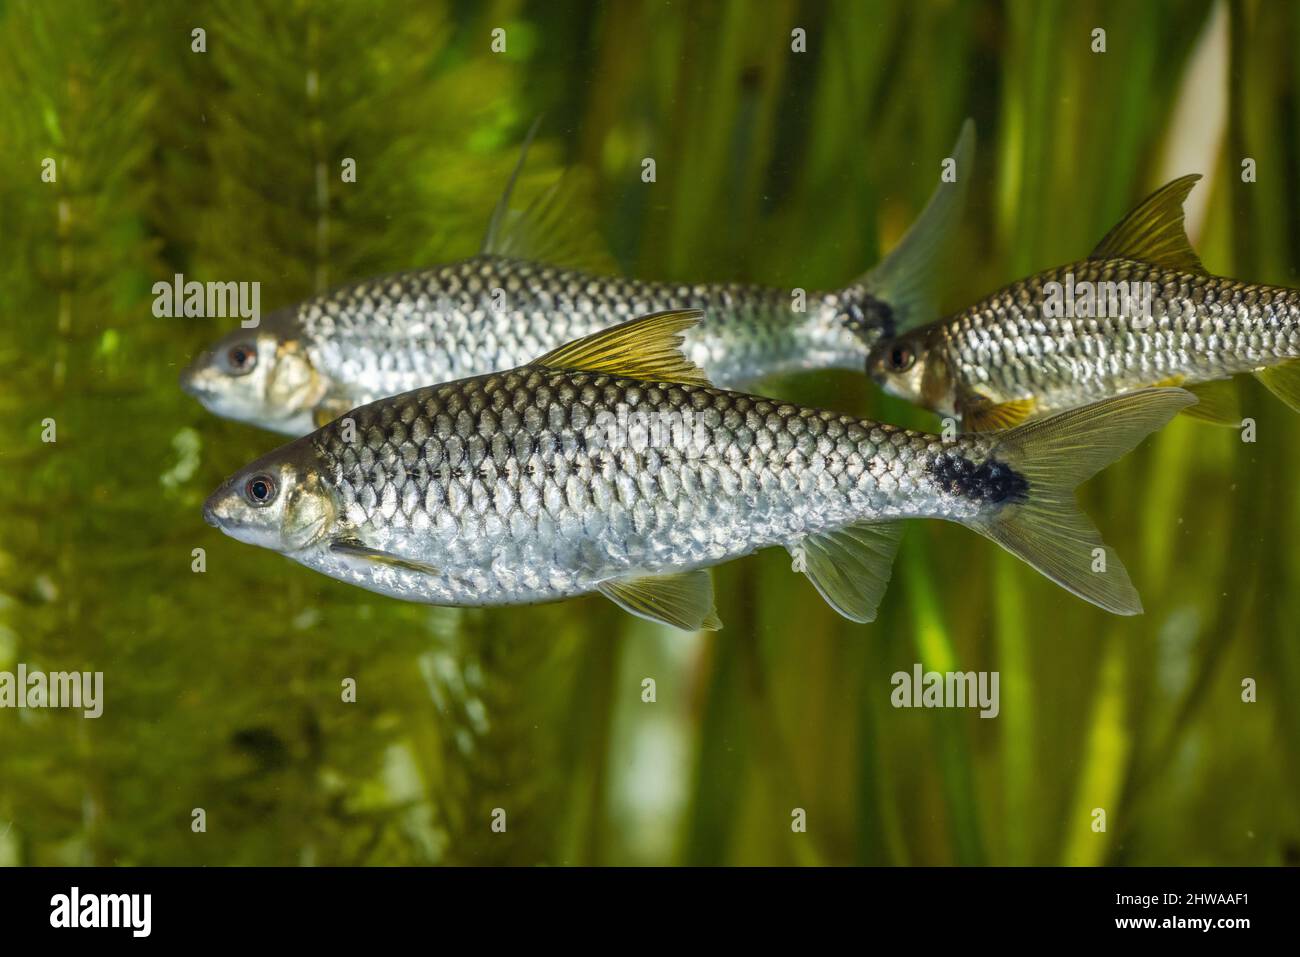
x=187, y=445
x=306, y=618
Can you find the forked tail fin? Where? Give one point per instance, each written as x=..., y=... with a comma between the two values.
x=1046, y=528
x=907, y=279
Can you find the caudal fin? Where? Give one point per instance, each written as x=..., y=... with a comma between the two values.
x=1055, y=455
x=908, y=278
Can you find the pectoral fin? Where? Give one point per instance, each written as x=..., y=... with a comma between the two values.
x=1283, y=381
x=850, y=566
x=683, y=600
x=978, y=414
x=352, y=549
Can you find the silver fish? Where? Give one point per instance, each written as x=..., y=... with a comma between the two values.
x=538, y=284
x=610, y=465
x=1140, y=311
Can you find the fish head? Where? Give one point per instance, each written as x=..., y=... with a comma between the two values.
x=905, y=366
x=260, y=376
x=281, y=502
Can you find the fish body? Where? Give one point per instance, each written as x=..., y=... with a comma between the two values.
x=394, y=334
x=506, y=487
x=538, y=284
x=1201, y=328
x=578, y=474
x=1096, y=328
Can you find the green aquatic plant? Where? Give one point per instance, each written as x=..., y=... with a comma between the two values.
x=225, y=689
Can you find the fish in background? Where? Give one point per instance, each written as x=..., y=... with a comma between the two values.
x=1040, y=345
x=542, y=279
x=536, y=484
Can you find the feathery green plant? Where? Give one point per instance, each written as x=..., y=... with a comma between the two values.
x=224, y=689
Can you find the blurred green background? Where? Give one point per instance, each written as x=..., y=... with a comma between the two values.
x=222, y=689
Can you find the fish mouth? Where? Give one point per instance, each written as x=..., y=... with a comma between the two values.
x=216, y=510
x=191, y=384
x=210, y=514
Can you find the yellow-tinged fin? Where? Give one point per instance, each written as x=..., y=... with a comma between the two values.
x=907, y=279
x=1283, y=380
x=981, y=415
x=558, y=227
x=646, y=348
x=354, y=550
x=328, y=410
x=1154, y=231
x=1216, y=402
x=683, y=600
x=1045, y=528
x=850, y=566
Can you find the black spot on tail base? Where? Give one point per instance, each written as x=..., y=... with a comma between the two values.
x=870, y=319
x=990, y=481
x=880, y=315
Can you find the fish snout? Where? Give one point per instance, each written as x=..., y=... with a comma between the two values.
x=210, y=513
x=877, y=369
x=872, y=366
x=216, y=510
x=192, y=377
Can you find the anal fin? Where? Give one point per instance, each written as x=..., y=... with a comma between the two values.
x=850, y=566
x=683, y=600
x=1217, y=402
x=1283, y=381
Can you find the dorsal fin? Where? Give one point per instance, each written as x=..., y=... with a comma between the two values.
x=502, y=210
x=558, y=227
x=646, y=348
x=1154, y=231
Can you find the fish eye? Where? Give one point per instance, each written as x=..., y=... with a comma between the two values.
x=241, y=359
x=260, y=490
x=901, y=358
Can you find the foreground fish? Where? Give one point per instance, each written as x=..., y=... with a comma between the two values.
x=537, y=285
x=610, y=465
x=1140, y=311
